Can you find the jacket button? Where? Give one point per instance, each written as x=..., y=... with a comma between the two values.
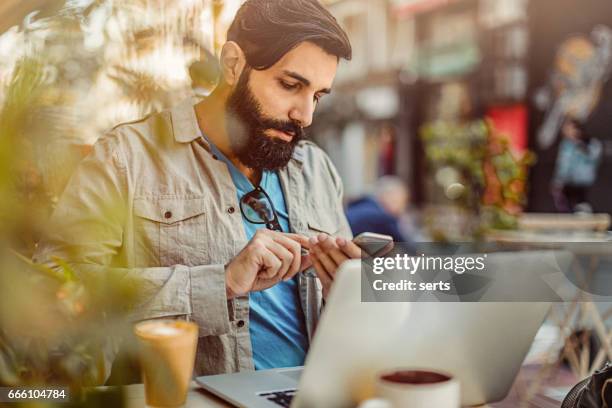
x=240, y=323
x=168, y=214
x=231, y=210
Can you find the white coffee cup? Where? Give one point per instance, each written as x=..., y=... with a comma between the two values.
x=418, y=388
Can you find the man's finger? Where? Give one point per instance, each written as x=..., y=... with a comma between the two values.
x=285, y=256
x=306, y=262
x=295, y=248
x=326, y=242
x=337, y=255
x=325, y=260
x=270, y=263
x=349, y=248
x=321, y=273
x=300, y=239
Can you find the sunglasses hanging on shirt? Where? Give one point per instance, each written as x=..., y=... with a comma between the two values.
x=257, y=208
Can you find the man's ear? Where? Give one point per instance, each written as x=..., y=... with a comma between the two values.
x=232, y=61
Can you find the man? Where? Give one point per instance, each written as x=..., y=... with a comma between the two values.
x=211, y=205
x=381, y=211
x=576, y=167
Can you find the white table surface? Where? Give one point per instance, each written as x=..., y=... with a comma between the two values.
x=196, y=398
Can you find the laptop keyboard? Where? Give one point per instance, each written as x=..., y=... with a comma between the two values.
x=280, y=398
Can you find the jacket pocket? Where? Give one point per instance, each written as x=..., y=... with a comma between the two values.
x=323, y=220
x=170, y=230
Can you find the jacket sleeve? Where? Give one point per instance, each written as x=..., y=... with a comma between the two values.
x=338, y=188
x=87, y=231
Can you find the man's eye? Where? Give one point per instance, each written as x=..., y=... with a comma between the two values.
x=287, y=85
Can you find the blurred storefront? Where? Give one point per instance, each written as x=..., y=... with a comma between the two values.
x=510, y=61
x=417, y=61
x=362, y=124
x=471, y=63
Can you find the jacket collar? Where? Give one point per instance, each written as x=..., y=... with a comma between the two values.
x=184, y=122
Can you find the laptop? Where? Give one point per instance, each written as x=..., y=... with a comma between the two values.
x=356, y=340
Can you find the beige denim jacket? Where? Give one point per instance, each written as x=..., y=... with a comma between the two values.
x=152, y=201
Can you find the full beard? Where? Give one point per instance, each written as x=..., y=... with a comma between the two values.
x=246, y=126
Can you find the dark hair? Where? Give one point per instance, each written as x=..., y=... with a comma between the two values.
x=268, y=29
x=582, y=129
x=583, y=135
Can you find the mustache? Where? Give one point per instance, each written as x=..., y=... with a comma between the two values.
x=289, y=127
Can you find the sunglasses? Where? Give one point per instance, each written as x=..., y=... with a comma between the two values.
x=257, y=208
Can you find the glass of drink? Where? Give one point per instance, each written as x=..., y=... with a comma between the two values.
x=167, y=353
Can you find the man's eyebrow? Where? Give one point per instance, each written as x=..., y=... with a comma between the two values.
x=303, y=80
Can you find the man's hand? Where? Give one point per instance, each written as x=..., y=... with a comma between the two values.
x=327, y=254
x=268, y=258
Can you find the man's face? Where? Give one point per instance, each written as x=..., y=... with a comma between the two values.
x=269, y=109
x=570, y=131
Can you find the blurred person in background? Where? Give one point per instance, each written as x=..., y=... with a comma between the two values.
x=212, y=204
x=576, y=167
x=381, y=211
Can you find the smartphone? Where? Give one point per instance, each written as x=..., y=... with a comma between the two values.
x=374, y=244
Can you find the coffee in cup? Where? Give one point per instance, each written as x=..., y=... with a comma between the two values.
x=167, y=352
x=419, y=389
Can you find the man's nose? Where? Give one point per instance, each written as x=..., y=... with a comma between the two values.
x=302, y=113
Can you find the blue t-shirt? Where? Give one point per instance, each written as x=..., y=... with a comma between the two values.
x=277, y=326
